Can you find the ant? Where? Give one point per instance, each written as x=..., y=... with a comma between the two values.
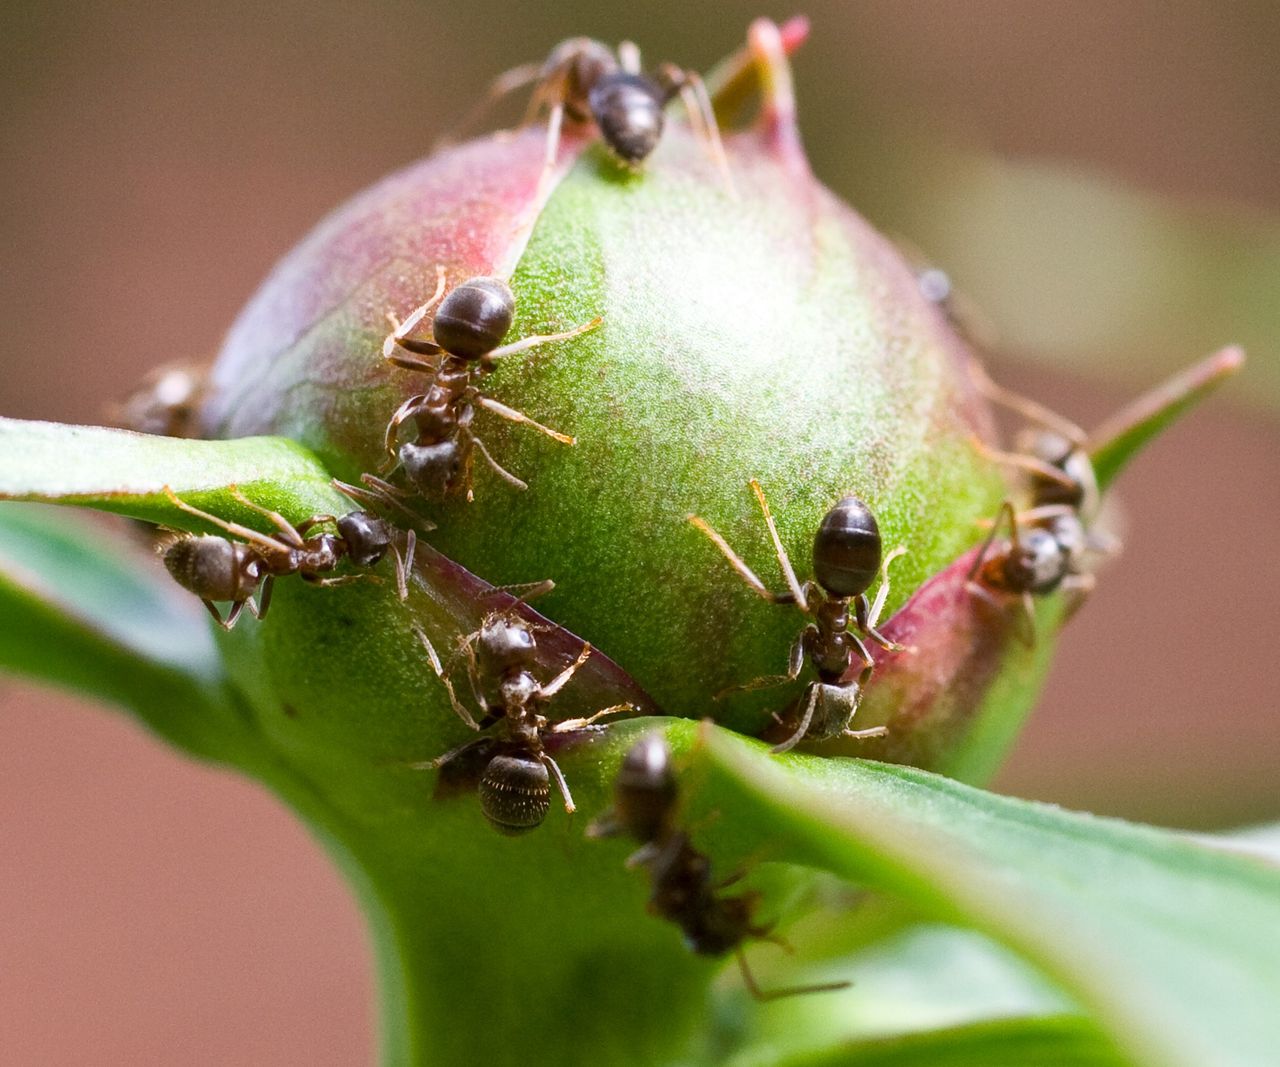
x=1050, y=540
x=166, y=402
x=682, y=890
x=512, y=773
x=846, y=560
x=1045, y=551
x=215, y=568
x=582, y=82
x=466, y=333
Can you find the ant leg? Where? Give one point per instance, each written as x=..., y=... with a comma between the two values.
x=569, y=725
x=381, y=494
x=519, y=416
x=232, y=615
x=555, y=120
x=1035, y=466
x=1006, y=510
x=536, y=339
x=561, y=784
x=1103, y=543
x=405, y=411
x=1027, y=631
x=253, y=536
x=810, y=704
x=697, y=104
x=871, y=619
x=459, y=708
x=784, y=561
x=504, y=84
x=763, y=996
x=1046, y=511
x=264, y=598
x=497, y=468
x=737, y=563
x=399, y=335
x=795, y=664
x=558, y=682
x=1028, y=408
x=440, y=761
x=404, y=563
x=291, y=533
x=1076, y=589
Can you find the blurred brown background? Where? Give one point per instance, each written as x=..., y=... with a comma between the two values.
x=155, y=159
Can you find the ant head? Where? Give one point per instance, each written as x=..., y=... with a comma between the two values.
x=473, y=319
x=1036, y=562
x=435, y=469
x=628, y=110
x=507, y=641
x=645, y=791
x=515, y=793
x=366, y=536
x=846, y=549
x=214, y=568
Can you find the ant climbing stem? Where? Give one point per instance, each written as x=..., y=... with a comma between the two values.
x=847, y=558
x=683, y=889
x=466, y=345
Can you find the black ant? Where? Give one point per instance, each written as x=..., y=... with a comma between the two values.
x=166, y=402
x=682, y=889
x=512, y=773
x=215, y=568
x=582, y=82
x=1045, y=551
x=1050, y=540
x=466, y=333
x=846, y=560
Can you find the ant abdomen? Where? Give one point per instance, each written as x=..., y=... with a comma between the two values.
x=847, y=549
x=214, y=568
x=474, y=318
x=515, y=793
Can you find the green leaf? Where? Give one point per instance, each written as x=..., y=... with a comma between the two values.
x=1173, y=948
x=1049, y=1042
x=126, y=473
x=82, y=609
x=1122, y=436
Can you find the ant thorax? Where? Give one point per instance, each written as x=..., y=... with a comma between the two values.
x=827, y=643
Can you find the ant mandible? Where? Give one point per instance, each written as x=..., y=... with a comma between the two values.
x=215, y=568
x=646, y=804
x=582, y=82
x=514, y=770
x=846, y=559
x=466, y=336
